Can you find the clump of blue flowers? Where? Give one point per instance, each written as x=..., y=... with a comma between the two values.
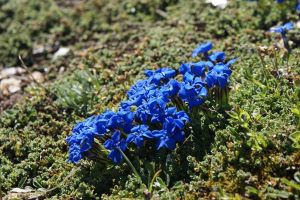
x=157, y=110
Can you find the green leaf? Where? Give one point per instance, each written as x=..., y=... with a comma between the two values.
x=297, y=177
x=233, y=114
x=295, y=137
x=153, y=179
x=291, y=184
x=36, y=184
x=161, y=183
x=244, y=116
x=178, y=185
x=296, y=111
x=22, y=182
x=251, y=190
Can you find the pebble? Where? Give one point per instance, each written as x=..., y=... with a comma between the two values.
x=38, y=77
x=218, y=3
x=20, y=190
x=298, y=24
x=7, y=72
x=10, y=85
x=61, y=52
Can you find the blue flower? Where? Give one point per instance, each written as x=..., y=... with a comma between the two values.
x=202, y=48
x=230, y=62
x=218, y=76
x=283, y=29
x=121, y=120
x=169, y=112
x=197, y=68
x=280, y=1
x=82, y=138
x=115, y=145
x=171, y=134
x=137, y=135
x=75, y=154
x=142, y=113
x=298, y=7
x=193, y=90
x=138, y=92
x=217, y=56
x=162, y=74
x=170, y=89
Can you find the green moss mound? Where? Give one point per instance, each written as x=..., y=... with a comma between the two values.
x=254, y=152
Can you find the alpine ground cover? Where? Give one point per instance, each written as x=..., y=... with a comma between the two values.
x=253, y=143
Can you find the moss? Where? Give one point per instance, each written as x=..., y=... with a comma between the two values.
x=113, y=42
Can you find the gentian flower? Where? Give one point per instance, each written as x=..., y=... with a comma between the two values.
x=230, y=62
x=283, y=29
x=74, y=153
x=197, y=68
x=298, y=7
x=217, y=56
x=280, y=1
x=170, y=89
x=171, y=112
x=202, y=48
x=150, y=101
x=82, y=138
x=137, y=135
x=142, y=113
x=163, y=74
x=192, y=90
x=218, y=76
x=115, y=145
x=170, y=134
x=138, y=93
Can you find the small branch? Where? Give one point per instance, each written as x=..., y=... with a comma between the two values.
x=161, y=13
x=30, y=75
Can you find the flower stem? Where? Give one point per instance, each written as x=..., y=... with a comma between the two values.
x=131, y=165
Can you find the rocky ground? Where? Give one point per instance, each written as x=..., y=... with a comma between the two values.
x=62, y=61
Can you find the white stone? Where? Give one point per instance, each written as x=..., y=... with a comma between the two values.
x=298, y=24
x=61, y=52
x=37, y=76
x=10, y=85
x=7, y=72
x=19, y=190
x=218, y=3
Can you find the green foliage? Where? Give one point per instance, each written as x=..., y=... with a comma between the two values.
x=78, y=92
x=251, y=147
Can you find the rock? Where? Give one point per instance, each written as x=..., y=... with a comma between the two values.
x=298, y=24
x=218, y=3
x=19, y=190
x=61, y=70
x=39, y=50
x=10, y=86
x=7, y=72
x=61, y=52
x=37, y=76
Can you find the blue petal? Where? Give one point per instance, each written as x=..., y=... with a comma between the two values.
x=202, y=48
x=108, y=144
x=130, y=138
x=288, y=26
x=116, y=136
x=222, y=81
x=116, y=156
x=171, y=144
x=161, y=143
x=217, y=56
